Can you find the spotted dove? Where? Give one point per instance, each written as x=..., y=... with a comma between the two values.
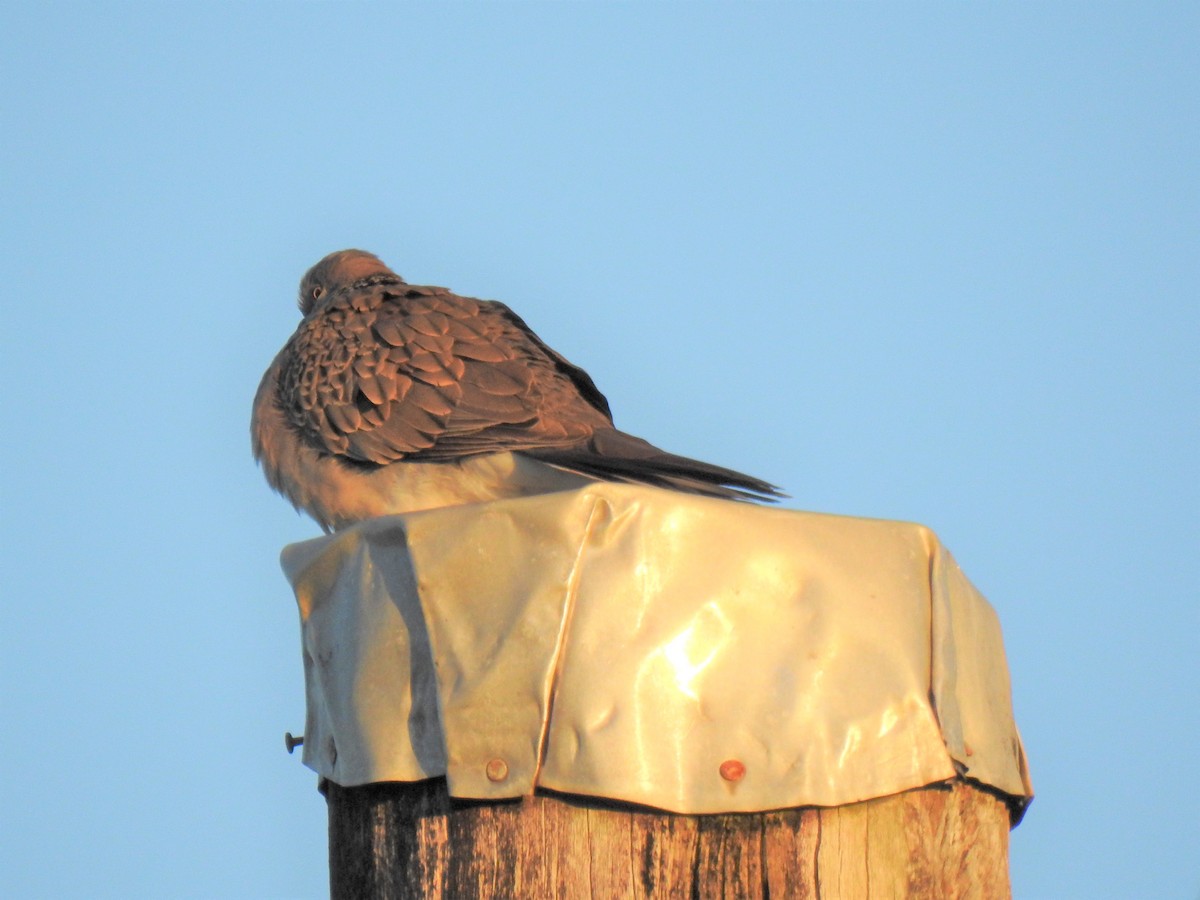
x=392, y=398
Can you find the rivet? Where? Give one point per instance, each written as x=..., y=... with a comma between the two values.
x=291, y=741
x=497, y=770
x=733, y=770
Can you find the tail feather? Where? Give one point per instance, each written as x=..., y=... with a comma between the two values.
x=617, y=456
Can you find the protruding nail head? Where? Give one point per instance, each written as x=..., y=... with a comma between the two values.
x=733, y=770
x=497, y=770
x=291, y=741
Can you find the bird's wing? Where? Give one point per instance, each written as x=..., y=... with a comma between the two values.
x=386, y=371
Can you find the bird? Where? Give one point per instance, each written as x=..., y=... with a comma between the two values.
x=395, y=398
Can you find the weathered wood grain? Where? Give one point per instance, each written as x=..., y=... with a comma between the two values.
x=411, y=840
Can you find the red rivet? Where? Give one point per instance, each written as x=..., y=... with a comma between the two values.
x=733, y=770
x=497, y=770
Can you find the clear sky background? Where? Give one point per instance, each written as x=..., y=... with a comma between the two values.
x=924, y=261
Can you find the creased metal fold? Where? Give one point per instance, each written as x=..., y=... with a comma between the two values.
x=647, y=646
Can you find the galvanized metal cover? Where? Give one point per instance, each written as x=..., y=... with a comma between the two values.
x=689, y=654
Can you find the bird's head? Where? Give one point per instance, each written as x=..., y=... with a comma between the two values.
x=337, y=270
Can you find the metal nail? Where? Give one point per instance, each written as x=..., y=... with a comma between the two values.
x=291, y=741
x=733, y=770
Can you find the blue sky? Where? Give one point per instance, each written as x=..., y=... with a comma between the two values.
x=924, y=261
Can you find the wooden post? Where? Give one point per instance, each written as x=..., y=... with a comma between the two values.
x=826, y=658
x=396, y=840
